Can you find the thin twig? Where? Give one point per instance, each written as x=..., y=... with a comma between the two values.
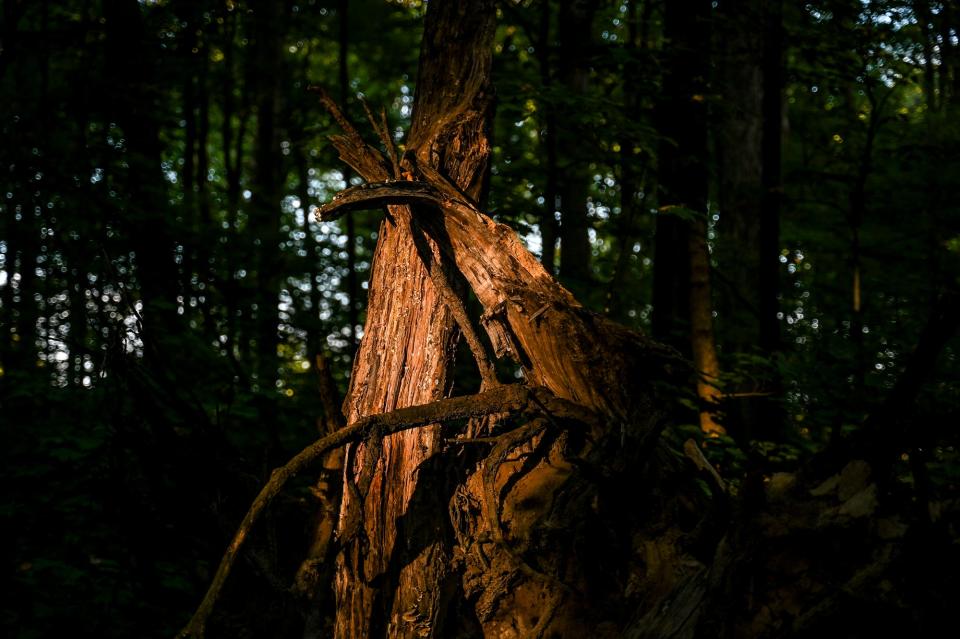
x=334, y=110
x=383, y=132
x=391, y=147
x=365, y=160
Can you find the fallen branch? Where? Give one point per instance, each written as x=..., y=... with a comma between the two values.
x=375, y=195
x=502, y=399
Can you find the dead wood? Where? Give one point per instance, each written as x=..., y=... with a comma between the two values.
x=506, y=399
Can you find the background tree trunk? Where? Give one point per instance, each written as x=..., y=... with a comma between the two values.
x=575, y=31
x=265, y=209
x=682, y=262
x=740, y=195
x=681, y=171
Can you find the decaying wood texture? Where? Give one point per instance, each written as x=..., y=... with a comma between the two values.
x=436, y=545
x=382, y=586
x=501, y=400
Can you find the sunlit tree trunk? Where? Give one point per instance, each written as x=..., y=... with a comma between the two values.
x=435, y=540
x=393, y=574
x=702, y=341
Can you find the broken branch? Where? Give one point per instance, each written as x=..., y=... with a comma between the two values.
x=364, y=159
x=378, y=194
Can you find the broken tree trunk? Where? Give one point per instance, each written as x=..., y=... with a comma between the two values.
x=435, y=542
x=391, y=563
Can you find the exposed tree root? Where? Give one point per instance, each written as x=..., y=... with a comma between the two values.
x=503, y=399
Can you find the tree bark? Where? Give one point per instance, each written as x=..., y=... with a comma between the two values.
x=740, y=128
x=433, y=545
x=741, y=200
x=702, y=341
x=565, y=515
x=393, y=563
x=409, y=567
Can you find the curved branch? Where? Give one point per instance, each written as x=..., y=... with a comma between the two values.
x=502, y=399
x=377, y=194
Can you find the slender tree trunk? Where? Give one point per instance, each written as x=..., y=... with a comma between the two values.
x=631, y=177
x=702, y=341
x=684, y=181
x=203, y=156
x=130, y=55
x=207, y=232
x=548, y=140
x=921, y=9
x=188, y=16
x=265, y=202
x=856, y=215
x=232, y=149
x=740, y=171
x=771, y=176
x=949, y=57
x=740, y=194
x=682, y=172
x=575, y=31
x=671, y=265
x=188, y=48
x=344, y=82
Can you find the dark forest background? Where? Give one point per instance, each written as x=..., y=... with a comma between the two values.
x=771, y=187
